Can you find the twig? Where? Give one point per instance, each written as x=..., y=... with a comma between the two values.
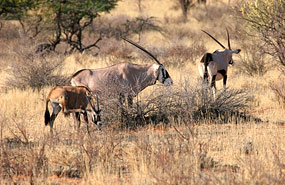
x=184, y=137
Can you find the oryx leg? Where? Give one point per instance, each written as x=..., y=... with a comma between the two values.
x=212, y=70
x=225, y=81
x=205, y=78
x=121, y=100
x=121, y=108
x=86, y=120
x=76, y=118
x=213, y=85
x=56, y=108
x=224, y=74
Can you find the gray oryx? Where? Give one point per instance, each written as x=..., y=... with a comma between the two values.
x=71, y=100
x=215, y=65
x=123, y=79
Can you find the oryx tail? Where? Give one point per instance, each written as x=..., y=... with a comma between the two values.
x=206, y=59
x=47, y=115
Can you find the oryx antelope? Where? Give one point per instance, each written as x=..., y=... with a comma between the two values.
x=71, y=100
x=123, y=79
x=215, y=65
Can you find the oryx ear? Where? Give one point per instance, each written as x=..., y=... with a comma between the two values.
x=237, y=51
x=88, y=93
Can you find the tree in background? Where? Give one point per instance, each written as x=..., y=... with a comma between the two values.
x=185, y=6
x=19, y=10
x=266, y=18
x=64, y=19
x=13, y=9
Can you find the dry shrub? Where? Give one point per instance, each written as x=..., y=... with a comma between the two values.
x=162, y=154
x=22, y=160
x=212, y=14
x=114, y=49
x=125, y=26
x=179, y=55
x=79, y=154
x=225, y=107
x=164, y=165
x=197, y=103
x=253, y=60
x=186, y=104
x=152, y=155
x=9, y=31
x=278, y=88
x=29, y=70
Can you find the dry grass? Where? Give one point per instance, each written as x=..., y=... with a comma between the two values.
x=162, y=154
x=179, y=152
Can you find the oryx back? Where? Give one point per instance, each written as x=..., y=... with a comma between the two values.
x=123, y=79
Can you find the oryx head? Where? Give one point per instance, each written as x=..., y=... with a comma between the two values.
x=227, y=53
x=95, y=114
x=163, y=75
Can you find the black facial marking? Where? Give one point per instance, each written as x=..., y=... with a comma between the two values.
x=97, y=117
x=166, y=74
x=163, y=73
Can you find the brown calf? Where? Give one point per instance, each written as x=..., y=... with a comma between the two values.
x=71, y=100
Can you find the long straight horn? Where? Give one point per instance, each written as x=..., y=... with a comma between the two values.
x=138, y=46
x=229, y=43
x=93, y=108
x=214, y=39
x=97, y=99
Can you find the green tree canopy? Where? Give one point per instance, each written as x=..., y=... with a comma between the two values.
x=15, y=8
x=65, y=19
x=266, y=18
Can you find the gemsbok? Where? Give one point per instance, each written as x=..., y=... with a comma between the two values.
x=123, y=79
x=215, y=65
x=72, y=100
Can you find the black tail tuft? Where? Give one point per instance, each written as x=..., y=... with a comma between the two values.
x=47, y=116
x=207, y=58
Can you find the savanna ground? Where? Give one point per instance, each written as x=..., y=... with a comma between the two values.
x=178, y=150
